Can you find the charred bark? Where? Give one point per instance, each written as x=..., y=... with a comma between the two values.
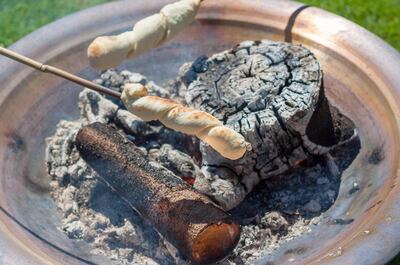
x=270, y=92
x=198, y=228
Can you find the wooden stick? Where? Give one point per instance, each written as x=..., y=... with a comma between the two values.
x=227, y=142
x=197, y=227
x=58, y=72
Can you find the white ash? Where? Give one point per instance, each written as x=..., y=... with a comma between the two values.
x=91, y=211
x=275, y=212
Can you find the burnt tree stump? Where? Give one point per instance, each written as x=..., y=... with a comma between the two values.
x=270, y=92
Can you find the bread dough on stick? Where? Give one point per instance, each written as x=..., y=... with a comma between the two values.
x=172, y=114
x=109, y=51
x=147, y=33
x=179, y=15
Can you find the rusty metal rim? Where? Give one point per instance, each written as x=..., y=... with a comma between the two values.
x=392, y=202
x=16, y=221
x=356, y=45
x=390, y=193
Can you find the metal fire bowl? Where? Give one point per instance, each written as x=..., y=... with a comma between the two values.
x=361, y=76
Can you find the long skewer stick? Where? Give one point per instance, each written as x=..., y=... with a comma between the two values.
x=58, y=72
x=226, y=141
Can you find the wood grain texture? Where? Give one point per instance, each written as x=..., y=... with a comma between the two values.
x=271, y=93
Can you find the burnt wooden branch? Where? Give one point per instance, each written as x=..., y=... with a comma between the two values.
x=271, y=93
x=198, y=228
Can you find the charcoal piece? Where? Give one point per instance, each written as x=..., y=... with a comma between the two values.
x=133, y=124
x=178, y=162
x=270, y=92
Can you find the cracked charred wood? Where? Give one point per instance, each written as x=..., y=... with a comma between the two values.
x=197, y=227
x=271, y=93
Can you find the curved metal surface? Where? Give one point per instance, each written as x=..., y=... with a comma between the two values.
x=360, y=79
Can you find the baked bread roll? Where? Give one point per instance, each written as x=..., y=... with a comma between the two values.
x=174, y=115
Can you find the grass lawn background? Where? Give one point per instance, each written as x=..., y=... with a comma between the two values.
x=18, y=18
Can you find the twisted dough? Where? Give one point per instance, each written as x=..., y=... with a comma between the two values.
x=109, y=51
x=172, y=114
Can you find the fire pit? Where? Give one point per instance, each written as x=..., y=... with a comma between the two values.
x=362, y=224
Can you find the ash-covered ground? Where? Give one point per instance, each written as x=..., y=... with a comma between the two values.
x=278, y=210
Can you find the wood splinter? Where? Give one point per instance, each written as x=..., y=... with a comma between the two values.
x=197, y=227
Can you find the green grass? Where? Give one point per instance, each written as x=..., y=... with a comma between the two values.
x=20, y=17
x=379, y=16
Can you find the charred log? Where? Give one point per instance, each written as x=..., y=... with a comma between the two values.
x=198, y=228
x=270, y=92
